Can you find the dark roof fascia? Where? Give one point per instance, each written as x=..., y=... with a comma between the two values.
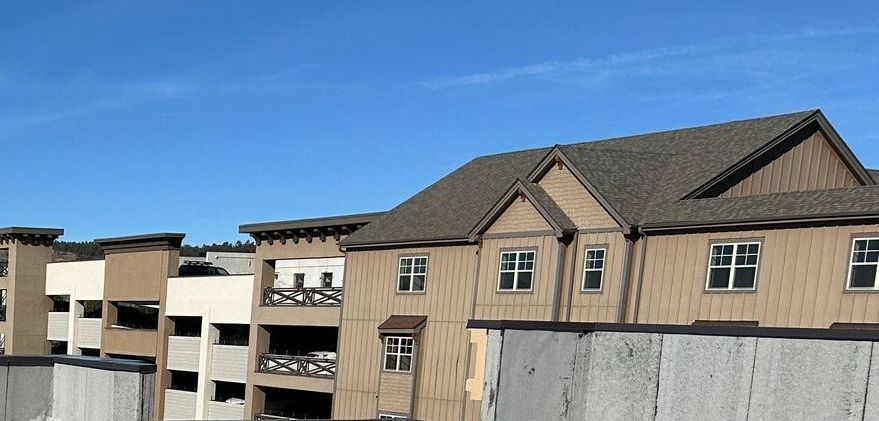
x=297, y=224
x=144, y=242
x=113, y=364
x=826, y=129
x=851, y=218
x=705, y=330
x=32, y=231
x=506, y=200
x=556, y=153
x=405, y=244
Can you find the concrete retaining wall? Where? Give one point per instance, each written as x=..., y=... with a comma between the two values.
x=552, y=375
x=47, y=388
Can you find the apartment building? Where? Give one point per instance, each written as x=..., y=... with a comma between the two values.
x=770, y=222
x=24, y=307
x=296, y=302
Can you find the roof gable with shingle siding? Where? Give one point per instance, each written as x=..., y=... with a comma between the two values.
x=573, y=198
x=519, y=216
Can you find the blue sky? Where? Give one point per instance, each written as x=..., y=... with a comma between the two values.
x=128, y=117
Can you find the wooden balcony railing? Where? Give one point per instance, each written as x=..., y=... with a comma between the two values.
x=296, y=365
x=322, y=297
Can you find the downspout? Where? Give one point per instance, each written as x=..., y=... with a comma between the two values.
x=640, y=279
x=626, y=279
x=559, y=279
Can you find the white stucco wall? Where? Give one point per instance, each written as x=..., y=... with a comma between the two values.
x=219, y=299
x=312, y=268
x=216, y=299
x=81, y=281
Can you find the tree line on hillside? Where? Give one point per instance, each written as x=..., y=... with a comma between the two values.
x=89, y=250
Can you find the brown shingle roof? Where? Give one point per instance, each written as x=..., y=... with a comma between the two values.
x=399, y=322
x=642, y=178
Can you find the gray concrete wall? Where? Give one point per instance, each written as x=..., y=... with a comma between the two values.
x=646, y=376
x=47, y=391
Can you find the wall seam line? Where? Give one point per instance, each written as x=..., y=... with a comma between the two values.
x=867, y=386
x=658, y=373
x=751, y=383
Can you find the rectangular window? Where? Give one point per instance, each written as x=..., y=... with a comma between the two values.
x=862, y=271
x=413, y=274
x=299, y=280
x=733, y=266
x=398, y=353
x=516, y=271
x=593, y=270
x=326, y=279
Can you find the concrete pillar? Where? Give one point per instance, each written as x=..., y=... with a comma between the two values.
x=205, y=389
x=76, y=311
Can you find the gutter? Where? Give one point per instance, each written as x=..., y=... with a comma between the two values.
x=626, y=279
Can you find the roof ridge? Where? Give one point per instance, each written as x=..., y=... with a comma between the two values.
x=568, y=146
x=704, y=126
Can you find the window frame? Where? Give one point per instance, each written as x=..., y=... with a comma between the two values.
x=412, y=274
x=324, y=278
x=516, y=271
x=852, y=264
x=586, y=250
x=398, y=354
x=730, y=288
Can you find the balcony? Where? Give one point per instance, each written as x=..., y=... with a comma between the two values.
x=58, y=326
x=4, y=269
x=299, y=297
x=180, y=404
x=3, y=313
x=183, y=353
x=88, y=333
x=297, y=365
x=229, y=363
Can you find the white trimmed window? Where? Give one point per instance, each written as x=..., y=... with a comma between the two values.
x=733, y=266
x=413, y=274
x=862, y=271
x=593, y=269
x=398, y=353
x=392, y=417
x=516, y=271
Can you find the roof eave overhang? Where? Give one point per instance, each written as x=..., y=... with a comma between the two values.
x=406, y=243
x=762, y=223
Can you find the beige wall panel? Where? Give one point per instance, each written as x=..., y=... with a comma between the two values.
x=599, y=306
x=370, y=297
x=395, y=392
x=297, y=316
x=573, y=198
x=129, y=341
x=527, y=305
x=520, y=216
x=800, y=283
x=27, y=314
x=811, y=165
x=138, y=276
x=314, y=384
x=302, y=249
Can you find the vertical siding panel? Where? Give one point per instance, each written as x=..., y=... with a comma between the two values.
x=695, y=281
x=800, y=278
x=775, y=276
x=813, y=274
x=820, y=308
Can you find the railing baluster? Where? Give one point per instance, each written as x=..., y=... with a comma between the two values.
x=323, y=296
x=297, y=365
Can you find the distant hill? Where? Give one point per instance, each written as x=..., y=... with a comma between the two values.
x=72, y=251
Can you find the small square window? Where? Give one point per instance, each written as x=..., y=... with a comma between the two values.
x=862, y=272
x=398, y=353
x=733, y=266
x=516, y=272
x=412, y=275
x=593, y=269
x=326, y=279
x=299, y=280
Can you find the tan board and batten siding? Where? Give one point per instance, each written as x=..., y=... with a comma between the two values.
x=801, y=280
x=810, y=165
x=601, y=306
x=443, y=347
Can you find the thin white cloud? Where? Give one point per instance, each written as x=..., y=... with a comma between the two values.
x=551, y=68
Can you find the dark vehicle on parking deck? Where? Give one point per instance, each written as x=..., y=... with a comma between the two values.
x=200, y=269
